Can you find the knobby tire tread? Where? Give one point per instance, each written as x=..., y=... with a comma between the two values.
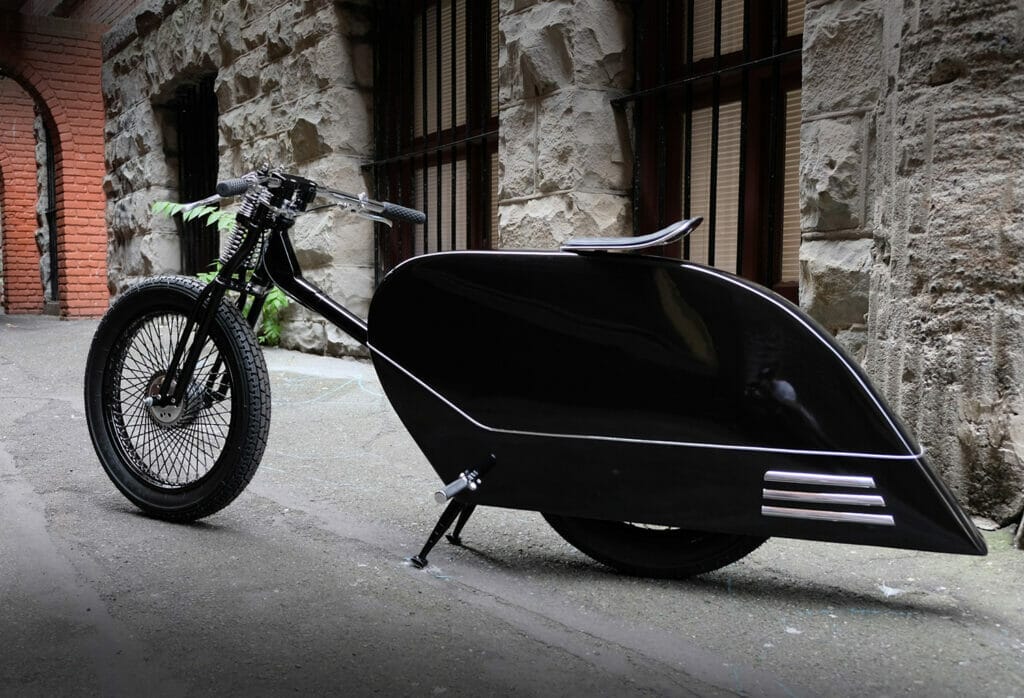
x=240, y=464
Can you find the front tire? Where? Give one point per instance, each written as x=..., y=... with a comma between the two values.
x=653, y=551
x=186, y=463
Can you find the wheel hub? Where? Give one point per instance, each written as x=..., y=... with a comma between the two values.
x=172, y=415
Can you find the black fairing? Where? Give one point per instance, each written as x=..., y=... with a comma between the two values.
x=642, y=389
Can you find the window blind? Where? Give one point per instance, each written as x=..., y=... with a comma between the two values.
x=727, y=186
x=428, y=89
x=704, y=28
x=791, y=192
x=795, y=17
x=446, y=226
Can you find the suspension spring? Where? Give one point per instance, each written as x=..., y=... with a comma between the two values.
x=244, y=226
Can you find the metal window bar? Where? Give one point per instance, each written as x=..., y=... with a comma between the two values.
x=716, y=105
x=453, y=82
x=776, y=136
x=662, y=150
x=438, y=100
x=688, y=126
x=741, y=220
x=426, y=160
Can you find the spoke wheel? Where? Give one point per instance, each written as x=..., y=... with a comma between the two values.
x=653, y=551
x=191, y=459
x=174, y=446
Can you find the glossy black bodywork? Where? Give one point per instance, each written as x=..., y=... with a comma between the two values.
x=643, y=389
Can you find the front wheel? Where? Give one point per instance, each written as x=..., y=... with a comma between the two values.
x=653, y=551
x=185, y=462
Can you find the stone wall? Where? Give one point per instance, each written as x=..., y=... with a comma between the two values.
x=912, y=207
x=564, y=153
x=293, y=85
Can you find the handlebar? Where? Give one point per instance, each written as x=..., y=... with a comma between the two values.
x=401, y=213
x=383, y=211
x=235, y=187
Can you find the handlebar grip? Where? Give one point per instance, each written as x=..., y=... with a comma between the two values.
x=401, y=213
x=233, y=187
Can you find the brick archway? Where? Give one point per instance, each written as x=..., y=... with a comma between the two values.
x=23, y=288
x=58, y=63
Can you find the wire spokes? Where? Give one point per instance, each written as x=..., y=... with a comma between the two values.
x=168, y=453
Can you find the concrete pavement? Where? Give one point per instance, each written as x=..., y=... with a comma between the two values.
x=301, y=584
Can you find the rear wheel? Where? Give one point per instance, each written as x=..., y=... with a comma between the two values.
x=653, y=551
x=176, y=462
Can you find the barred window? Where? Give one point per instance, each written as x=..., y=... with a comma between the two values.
x=436, y=124
x=717, y=131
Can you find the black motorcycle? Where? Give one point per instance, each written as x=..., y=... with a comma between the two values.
x=665, y=417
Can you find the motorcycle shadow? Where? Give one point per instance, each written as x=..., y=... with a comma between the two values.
x=751, y=581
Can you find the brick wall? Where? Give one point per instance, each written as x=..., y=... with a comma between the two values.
x=23, y=288
x=98, y=11
x=58, y=62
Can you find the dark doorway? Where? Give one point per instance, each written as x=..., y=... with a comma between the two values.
x=195, y=107
x=50, y=213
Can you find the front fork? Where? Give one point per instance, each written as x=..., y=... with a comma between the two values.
x=186, y=353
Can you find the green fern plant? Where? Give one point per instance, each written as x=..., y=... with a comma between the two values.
x=213, y=215
x=268, y=329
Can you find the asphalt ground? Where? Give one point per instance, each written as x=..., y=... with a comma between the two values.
x=301, y=586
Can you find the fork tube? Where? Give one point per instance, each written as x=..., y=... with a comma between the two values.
x=205, y=308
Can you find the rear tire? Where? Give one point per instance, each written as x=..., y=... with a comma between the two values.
x=649, y=551
x=188, y=463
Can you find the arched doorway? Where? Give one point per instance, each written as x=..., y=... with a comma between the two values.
x=25, y=236
x=34, y=55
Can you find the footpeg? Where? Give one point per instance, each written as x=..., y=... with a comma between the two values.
x=469, y=480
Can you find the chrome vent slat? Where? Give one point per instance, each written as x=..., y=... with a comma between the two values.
x=811, y=501
x=864, y=500
x=794, y=478
x=823, y=515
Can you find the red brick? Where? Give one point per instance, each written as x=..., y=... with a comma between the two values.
x=60, y=61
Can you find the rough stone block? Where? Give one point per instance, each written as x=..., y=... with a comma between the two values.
x=549, y=45
x=854, y=340
x=161, y=254
x=835, y=281
x=831, y=173
x=547, y=221
x=601, y=45
x=349, y=284
x=341, y=344
x=320, y=239
x=517, y=150
x=582, y=142
x=537, y=55
x=302, y=335
x=842, y=59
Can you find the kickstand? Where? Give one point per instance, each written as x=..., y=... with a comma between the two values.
x=454, y=509
x=454, y=538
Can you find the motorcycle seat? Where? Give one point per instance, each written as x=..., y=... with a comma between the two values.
x=661, y=237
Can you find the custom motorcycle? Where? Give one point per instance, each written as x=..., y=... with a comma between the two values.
x=665, y=417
